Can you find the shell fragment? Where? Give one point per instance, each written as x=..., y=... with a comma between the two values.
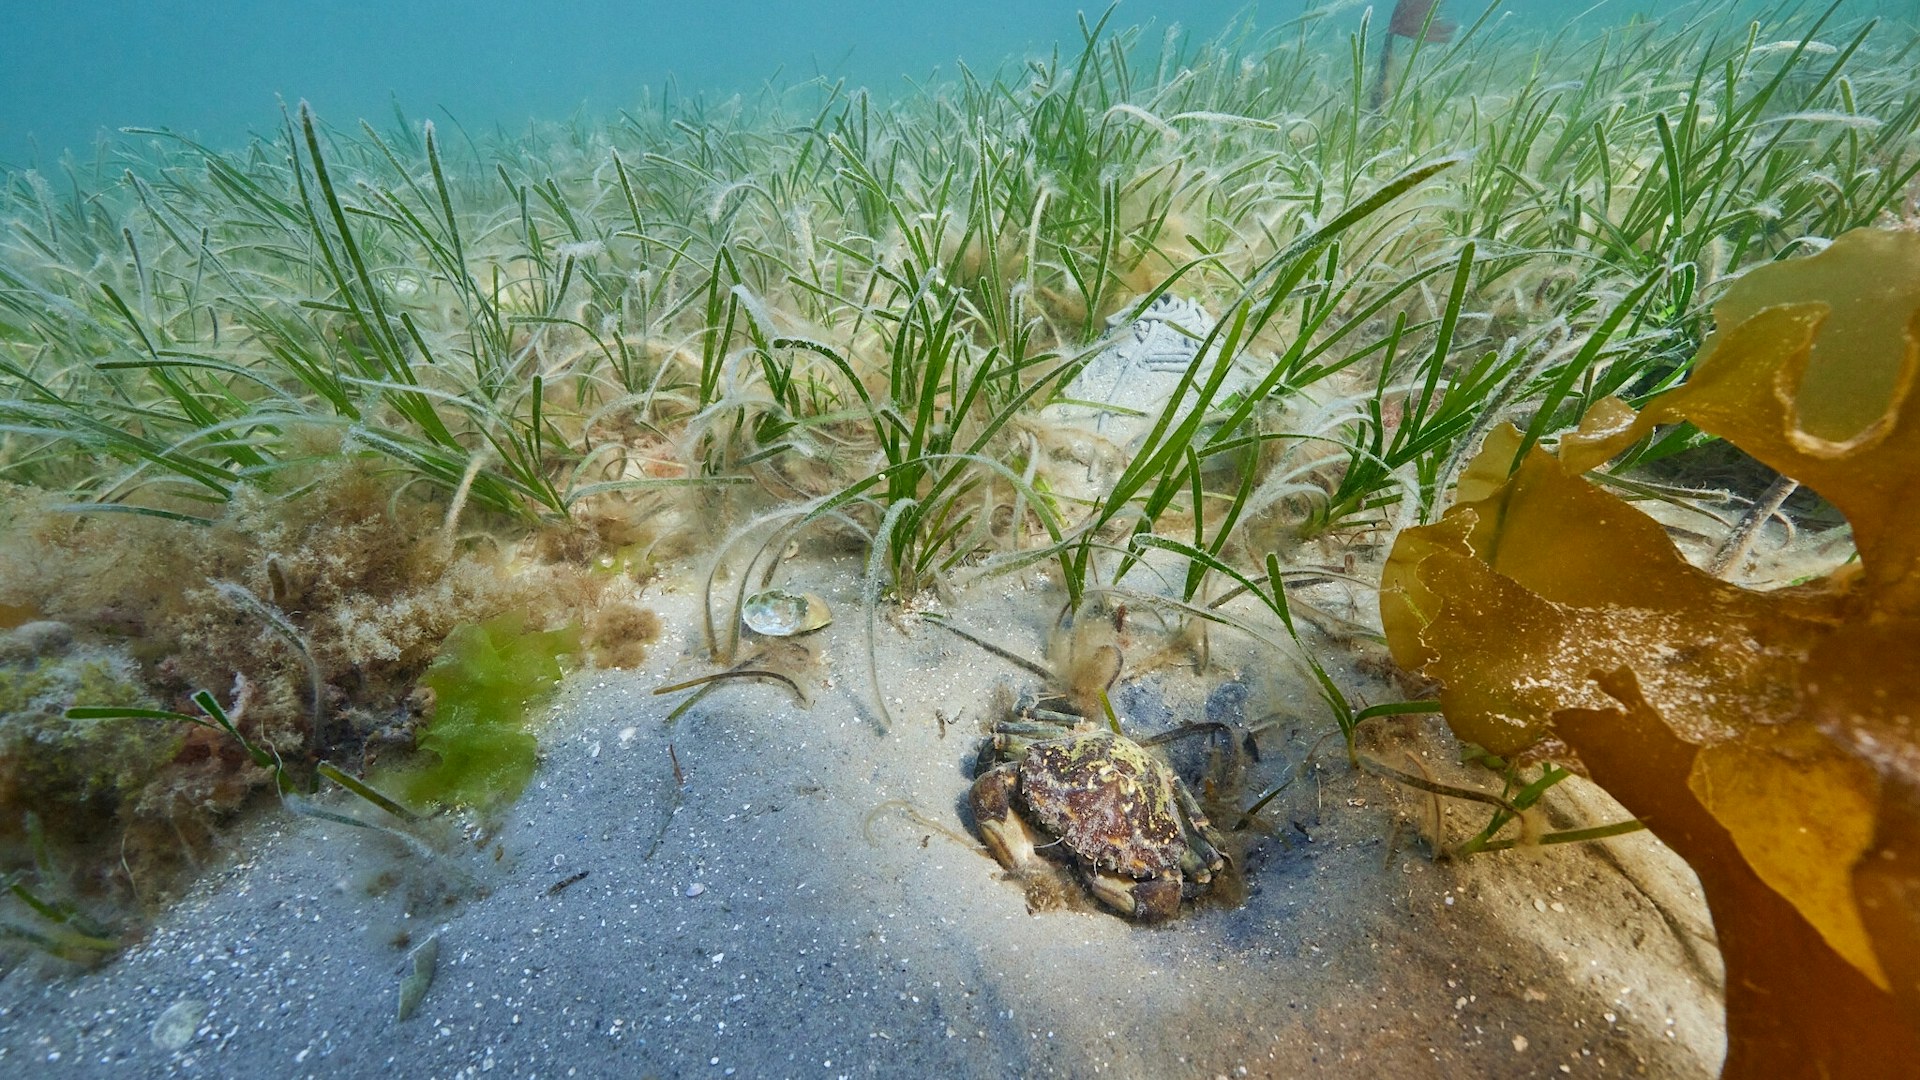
x=779, y=613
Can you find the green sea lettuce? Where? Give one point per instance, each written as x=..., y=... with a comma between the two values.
x=486, y=682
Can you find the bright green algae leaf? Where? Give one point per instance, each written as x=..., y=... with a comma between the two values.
x=486, y=682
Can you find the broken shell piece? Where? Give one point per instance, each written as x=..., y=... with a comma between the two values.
x=779, y=613
x=177, y=1026
x=414, y=987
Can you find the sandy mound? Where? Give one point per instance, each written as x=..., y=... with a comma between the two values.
x=774, y=890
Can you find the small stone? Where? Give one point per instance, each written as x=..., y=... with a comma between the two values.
x=1519, y=1044
x=696, y=889
x=1539, y=904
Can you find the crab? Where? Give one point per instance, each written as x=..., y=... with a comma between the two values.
x=1053, y=781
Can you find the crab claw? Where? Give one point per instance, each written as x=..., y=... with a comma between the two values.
x=1007, y=837
x=1149, y=900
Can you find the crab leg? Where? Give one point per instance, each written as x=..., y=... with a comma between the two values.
x=1204, y=843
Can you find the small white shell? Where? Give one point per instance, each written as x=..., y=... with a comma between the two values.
x=779, y=613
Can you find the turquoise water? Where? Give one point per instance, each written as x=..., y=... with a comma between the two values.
x=215, y=69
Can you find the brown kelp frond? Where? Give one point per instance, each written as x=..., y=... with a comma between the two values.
x=1417, y=20
x=1766, y=736
x=1420, y=20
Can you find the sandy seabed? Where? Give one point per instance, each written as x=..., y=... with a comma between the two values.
x=774, y=890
